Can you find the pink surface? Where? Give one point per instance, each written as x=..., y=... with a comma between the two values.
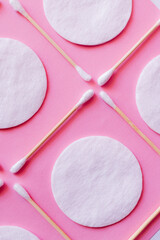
x=65, y=88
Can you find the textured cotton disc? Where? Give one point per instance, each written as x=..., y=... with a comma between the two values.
x=96, y=181
x=22, y=83
x=88, y=22
x=15, y=233
x=148, y=94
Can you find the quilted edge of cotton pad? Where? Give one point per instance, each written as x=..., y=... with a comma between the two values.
x=45, y=74
x=19, y=229
x=141, y=189
x=139, y=79
x=94, y=44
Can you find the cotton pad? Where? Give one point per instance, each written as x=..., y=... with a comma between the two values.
x=88, y=22
x=15, y=233
x=148, y=94
x=96, y=181
x=23, y=83
x=156, y=236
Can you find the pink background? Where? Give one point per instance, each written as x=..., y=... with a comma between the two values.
x=65, y=87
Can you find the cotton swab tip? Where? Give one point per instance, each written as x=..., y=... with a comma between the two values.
x=1, y=183
x=21, y=191
x=86, y=97
x=83, y=74
x=17, y=6
x=107, y=99
x=105, y=77
x=17, y=167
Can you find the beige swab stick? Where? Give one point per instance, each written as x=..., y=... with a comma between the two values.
x=19, y=8
x=110, y=102
x=107, y=75
x=85, y=98
x=23, y=193
x=145, y=224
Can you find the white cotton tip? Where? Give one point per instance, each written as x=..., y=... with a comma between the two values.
x=1, y=183
x=21, y=191
x=83, y=74
x=105, y=77
x=17, y=167
x=107, y=99
x=86, y=97
x=17, y=6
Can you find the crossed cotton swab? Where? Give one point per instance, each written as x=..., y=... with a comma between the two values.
x=19, y=8
x=145, y=224
x=107, y=75
x=110, y=102
x=24, y=194
x=85, y=98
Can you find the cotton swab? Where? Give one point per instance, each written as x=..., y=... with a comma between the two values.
x=1, y=183
x=85, y=98
x=19, y=8
x=24, y=194
x=145, y=224
x=107, y=75
x=110, y=102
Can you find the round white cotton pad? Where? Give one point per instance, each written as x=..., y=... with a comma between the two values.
x=15, y=233
x=96, y=181
x=23, y=83
x=148, y=94
x=88, y=22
